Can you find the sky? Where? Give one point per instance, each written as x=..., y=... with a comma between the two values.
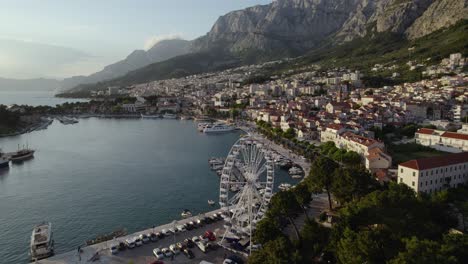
x=63, y=38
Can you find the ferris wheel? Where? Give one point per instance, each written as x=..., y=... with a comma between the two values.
x=246, y=186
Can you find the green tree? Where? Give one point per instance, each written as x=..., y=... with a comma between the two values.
x=352, y=183
x=303, y=196
x=290, y=133
x=278, y=251
x=266, y=230
x=284, y=204
x=321, y=176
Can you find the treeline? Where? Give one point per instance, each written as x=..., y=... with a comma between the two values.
x=7, y=118
x=373, y=223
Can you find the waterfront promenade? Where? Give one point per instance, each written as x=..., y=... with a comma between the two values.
x=144, y=253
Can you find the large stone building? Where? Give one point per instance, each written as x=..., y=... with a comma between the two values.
x=434, y=174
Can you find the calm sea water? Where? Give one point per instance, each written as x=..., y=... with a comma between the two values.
x=101, y=174
x=33, y=98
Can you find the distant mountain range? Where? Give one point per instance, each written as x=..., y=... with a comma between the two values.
x=29, y=84
x=284, y=28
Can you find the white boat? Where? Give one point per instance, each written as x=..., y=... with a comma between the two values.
x=186, y=213
x=150, y=116
x=202, y=126
x=284, y=186
x=297, y=176
x=42, y=244
x=295, y=171
x=169, y=116
x=218, y=128
x=211, y=202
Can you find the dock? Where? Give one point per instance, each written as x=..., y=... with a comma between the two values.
x=144, y=253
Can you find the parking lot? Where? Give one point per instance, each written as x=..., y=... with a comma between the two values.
x=144, y=253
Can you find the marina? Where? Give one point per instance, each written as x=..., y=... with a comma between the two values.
x=94, y=177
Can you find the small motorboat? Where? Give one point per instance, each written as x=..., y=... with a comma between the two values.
x=186, y=213
x=211, y=202
x=284, y=186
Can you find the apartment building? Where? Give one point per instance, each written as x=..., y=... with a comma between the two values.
x=433, y=174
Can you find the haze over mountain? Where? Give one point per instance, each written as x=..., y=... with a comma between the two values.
x=40, y=84
x=162, y=50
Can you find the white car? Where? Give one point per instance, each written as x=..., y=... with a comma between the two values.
x=202, y=246
x=138, y=241
x=174, y=249
x=167, y=253
x=181, y=228
x=195, y=239
x=172, y=230
x=158, y=253
x=130, y=243
x=114, y=249
x=165, y=232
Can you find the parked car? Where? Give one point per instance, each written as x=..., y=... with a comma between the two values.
x=209, y=235
x=159, y=235
x=181, y=228
x=173, y=230
x=138, y=241
x=167, y=253
x=144, y=238
x=202, y=246
x=114, y=249
x=189, y=253
x=153, y=237
x=189, y=243
x=157, y=252
x=122, y=246
x=233, y=259
x=130, y=243
x=165, y=232
x=180, y=246
x=174, y=249
x=195, y=239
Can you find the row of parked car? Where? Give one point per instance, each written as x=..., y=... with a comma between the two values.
x=203, y=242
x=137, y=241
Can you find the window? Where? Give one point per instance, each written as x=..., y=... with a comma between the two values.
x=401, y=170
x=427, y=173
x=401, y=179
x=414, y=173
x=432, y=172
x=412, y=183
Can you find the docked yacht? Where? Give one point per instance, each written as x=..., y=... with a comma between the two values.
x=169, y=116
x=42, y=244
x=4, y=161
x=186, y=213
x=202, y=126
x=218, y=128
x=295, y=171
x=284, y=186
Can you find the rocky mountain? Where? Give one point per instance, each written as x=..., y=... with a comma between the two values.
x=299, y=25
x=161, y=51
x=40, y=84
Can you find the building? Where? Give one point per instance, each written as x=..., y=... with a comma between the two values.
x=434, y=174
x=442, y=140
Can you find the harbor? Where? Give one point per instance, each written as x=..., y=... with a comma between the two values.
x=134, y=165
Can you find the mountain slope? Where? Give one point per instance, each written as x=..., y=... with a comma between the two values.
x=161, y=51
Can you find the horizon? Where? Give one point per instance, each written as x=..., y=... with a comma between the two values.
x=73, y=39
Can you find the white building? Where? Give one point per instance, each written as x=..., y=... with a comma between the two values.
x=442, y=140
x=434, y=174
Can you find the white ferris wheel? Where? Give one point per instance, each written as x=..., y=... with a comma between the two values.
x=246, y=186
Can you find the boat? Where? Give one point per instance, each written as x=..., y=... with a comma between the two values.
x=186, y=213
x=22, y=155
x=218, y=128
x=42, y=244
x=66, y=120
x=216, y=161
x=202, y=126
x=284, y=186
x=211, y=202
x=150, y=116
x=169, y=116
x=4, y=161
x=295, y=171
x=297, y=176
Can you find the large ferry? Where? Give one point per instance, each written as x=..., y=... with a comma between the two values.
x=218, y=128
x=42, y=244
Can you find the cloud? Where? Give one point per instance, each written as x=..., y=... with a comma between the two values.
x=150, y=42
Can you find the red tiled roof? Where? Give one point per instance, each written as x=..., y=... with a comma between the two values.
x=426, y=131
x=455, y=135
x=335, y=126
x=435, y=162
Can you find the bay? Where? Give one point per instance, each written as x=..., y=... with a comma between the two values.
x=102, y=174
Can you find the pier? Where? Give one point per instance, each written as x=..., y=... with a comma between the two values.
x=143, y=254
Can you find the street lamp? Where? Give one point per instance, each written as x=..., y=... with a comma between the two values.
x=174, y=228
